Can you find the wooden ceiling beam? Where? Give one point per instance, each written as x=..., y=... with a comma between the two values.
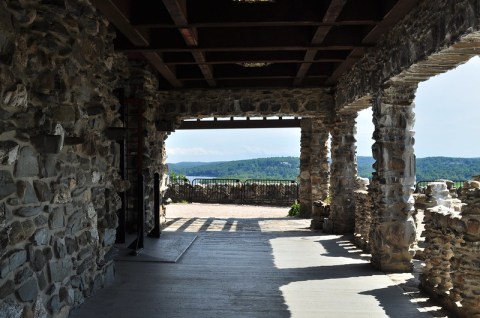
x=178, y=11
x=243, y=48
x=152, y=25
x=110, y=10
x=398, y=11
x=285, y=61
x=331, y=15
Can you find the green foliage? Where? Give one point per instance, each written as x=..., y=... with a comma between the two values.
x=294, y=209
x=430, y=168
x=328, y=200
x=262, y=168
x=177, y=178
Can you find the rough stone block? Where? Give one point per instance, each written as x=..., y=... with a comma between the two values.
x=65, y=114
x=38, y=260
x=7, y=289
x=59, y=270
x=75, y=223
x=16, y=259
x=48, y=165
x=22, y=275
x=43, y=191
x=54, y=304
x=8, y=152
x=29, y=211
x=27, y=163
x=5, y=214
x=11, y=309
x=26, y=193
x=47, y=143
x=57, y=219
x=7, y=186
x=21, y=231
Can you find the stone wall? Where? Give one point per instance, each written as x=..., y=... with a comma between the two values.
x=314, y=167
x=363, y=215
x=306, y=102
x=343, y=173
x=433, y=38
x=142, y=87
x=58, y=173
x=393, y=182
x=452, y=236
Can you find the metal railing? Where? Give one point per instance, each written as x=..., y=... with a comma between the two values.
x=252, y=191
x=274, y=191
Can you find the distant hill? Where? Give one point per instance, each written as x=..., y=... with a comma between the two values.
x=262, y=168
x=428, y=169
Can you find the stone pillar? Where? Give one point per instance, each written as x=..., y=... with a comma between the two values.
x=343, y=174
x=314, y=169
x=305, y=195
x=393, y=227
x=319, y=167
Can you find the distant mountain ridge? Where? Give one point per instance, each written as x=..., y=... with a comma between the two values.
x=429, y=168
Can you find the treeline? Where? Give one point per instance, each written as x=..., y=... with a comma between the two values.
x=262, y=168
x=428, y=169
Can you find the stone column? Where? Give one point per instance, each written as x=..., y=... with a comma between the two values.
x=343, y=174
x=314, y=169
x=319, y=167
x=305, y=194
x=393, y=227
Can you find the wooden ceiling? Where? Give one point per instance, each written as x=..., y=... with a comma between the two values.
x=213, y=43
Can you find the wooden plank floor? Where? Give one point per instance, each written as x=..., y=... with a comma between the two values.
x=259, y=268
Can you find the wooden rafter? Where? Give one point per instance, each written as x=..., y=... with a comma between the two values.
x=116, y=16
x=333, y=11
x=178, y=11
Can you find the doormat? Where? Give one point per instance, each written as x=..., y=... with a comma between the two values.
x=167, y=249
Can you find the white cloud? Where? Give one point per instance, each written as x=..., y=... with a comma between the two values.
x=199, y=151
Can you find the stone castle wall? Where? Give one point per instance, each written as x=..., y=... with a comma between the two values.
x=58, y=173
x=197, y=103
x=452, y=236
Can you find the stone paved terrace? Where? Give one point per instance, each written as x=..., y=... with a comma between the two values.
x=254, y=262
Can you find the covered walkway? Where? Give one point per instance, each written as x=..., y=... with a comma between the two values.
x=267, y=266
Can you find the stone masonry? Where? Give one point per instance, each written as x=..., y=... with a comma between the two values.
x=451, y=252
x=314, y=168
x=363, y=215
x=393, y=227
x=343, y=174
x=58, y=198
x=433, y=38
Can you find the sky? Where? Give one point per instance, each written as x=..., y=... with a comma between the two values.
x=447, y=112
